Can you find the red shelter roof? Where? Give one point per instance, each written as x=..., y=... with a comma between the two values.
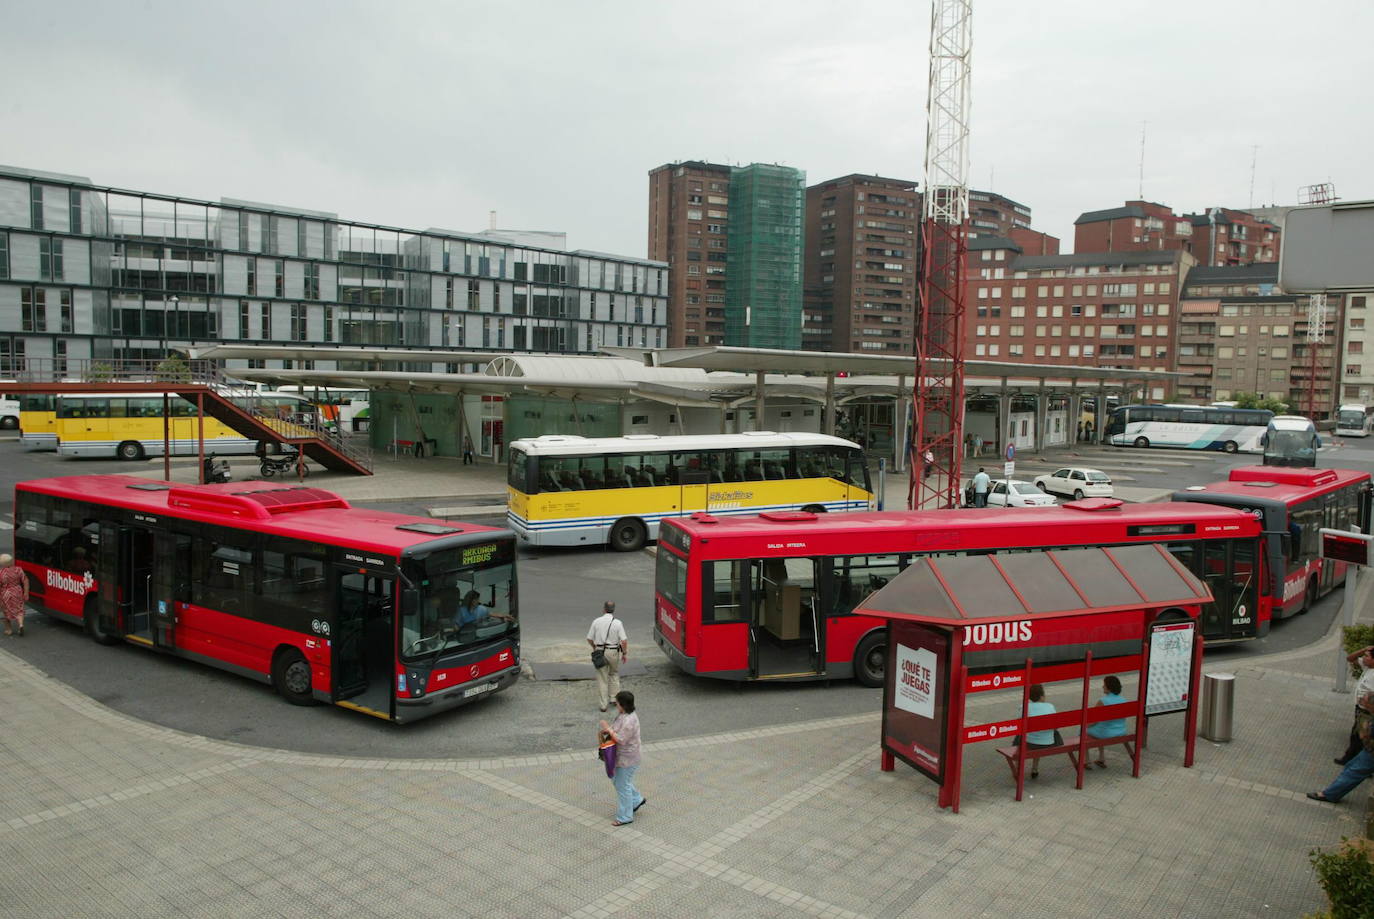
x=961, y=589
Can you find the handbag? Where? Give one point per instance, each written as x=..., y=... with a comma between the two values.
x=605, y=751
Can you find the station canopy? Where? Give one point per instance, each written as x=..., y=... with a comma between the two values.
x=700, y=377
x=956, y=590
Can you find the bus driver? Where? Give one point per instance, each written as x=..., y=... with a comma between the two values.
x=472, y=612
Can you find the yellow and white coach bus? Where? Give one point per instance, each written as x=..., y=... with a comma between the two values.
x=573, y=491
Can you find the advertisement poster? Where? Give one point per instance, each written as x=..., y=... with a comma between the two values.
x=916, y=696
x=1171, y=667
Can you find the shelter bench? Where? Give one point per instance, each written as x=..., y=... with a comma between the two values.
x=1070, y=748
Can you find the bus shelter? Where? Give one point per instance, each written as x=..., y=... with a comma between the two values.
x=966, y=624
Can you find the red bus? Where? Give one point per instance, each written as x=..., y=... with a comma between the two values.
x=280, y=583
x=772, y=597
x=1293, y=504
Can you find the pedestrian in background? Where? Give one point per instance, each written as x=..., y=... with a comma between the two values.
x=14, y=594
x=929, y=459
x=607, y=635
x=467, y=450
x=1365, y=658
x=981, y=483
x=624, y=730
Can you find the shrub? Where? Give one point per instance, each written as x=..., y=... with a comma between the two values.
x=173, y=370
x=1347, y=875
x=1355, y=637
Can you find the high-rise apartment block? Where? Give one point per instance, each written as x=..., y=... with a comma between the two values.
x=92, y=272
x=1238, y=332
x=861, y=265
x=991, y=214
x=763, y=295
x=689, y=210
x=1089, y=309
x=1220, y=236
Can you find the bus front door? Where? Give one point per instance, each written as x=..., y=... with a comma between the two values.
x=1228, y=567
x=111, y=574
x=363, y=640
x=785, y=633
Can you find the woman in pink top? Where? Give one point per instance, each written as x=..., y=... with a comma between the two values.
x=624, y=730
x=14, y=593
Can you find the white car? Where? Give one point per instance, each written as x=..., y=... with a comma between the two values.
x=1077, y=481
x=1021, y=494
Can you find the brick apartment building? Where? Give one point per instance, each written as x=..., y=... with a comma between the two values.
x=860, y=265
x=1238, y=332
x=689, y=209
x=1095, y=309
x=1220, y=236
x=991, y=214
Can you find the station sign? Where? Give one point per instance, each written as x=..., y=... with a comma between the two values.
x=1345, y=546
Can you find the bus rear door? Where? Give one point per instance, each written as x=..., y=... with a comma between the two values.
x=785, y=634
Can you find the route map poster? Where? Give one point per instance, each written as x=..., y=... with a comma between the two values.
x=1171, y=667
x=916, y=696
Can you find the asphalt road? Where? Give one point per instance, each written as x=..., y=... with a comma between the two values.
x=561, y=590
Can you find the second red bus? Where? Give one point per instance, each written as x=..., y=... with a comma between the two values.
x=771, y=597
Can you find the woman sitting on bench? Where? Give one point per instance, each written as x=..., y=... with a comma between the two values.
x=1111, y=695
x=1039, y=740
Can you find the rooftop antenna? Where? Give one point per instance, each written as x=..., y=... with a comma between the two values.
x=1254, y=155
x=1140, y=190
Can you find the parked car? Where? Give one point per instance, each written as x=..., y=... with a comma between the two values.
x=1076, y=481
x=1020, y=494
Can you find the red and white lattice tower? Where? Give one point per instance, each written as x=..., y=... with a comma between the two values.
x=1316, y=337
x=938, y=392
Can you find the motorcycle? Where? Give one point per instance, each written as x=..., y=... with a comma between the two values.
x=280, y=465
x=215, y=471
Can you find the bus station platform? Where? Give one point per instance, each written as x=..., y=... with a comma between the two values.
x=102, y=814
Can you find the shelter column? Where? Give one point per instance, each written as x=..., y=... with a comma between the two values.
x=1003, y=420
x=1075, y=411
x=1042, y=417
x=901, y=430
x=462, y=423
x=1098, y=409
x=829, y=421
x=759, y=401
x=722, y=417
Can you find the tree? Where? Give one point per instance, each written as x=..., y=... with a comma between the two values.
x=1255, y=400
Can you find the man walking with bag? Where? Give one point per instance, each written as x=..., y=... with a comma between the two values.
x=610, y=648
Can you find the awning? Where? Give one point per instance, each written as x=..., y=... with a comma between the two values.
x=1025, y=585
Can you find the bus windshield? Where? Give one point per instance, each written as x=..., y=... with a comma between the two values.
x=1290, y=448
x=466, y=597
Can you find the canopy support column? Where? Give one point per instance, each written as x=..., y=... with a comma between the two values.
x=1003, y=420
x=901, y=429
x=760, y=402
x=829, y=422
x=1042, y=418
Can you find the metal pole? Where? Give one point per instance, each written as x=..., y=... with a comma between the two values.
x=200, y=433
x=759, y=402
x=882, y=481
x=829, y=423
x=166, y=438
x=1352, y=576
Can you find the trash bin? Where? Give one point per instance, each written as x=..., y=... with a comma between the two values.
x=1218, y=705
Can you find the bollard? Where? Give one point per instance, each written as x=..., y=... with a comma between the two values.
x=1218, y=705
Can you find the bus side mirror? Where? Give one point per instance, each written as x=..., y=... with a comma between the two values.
x=410, y=602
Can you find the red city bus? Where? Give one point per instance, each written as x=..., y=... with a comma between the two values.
x=1293, y=505
x=280, y=583
x=772, y=596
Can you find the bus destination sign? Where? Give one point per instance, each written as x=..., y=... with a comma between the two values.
x=479, y=555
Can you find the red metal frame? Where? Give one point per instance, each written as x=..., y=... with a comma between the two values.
x=938, y=393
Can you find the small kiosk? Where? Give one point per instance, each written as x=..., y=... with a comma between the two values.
x=965, y=624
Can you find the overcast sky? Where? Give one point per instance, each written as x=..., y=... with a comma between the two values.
x=420, y=114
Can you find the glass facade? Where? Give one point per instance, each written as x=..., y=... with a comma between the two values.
x=763, y=299
x=138, y=273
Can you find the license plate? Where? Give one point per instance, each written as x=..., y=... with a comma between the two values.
x=478, y=690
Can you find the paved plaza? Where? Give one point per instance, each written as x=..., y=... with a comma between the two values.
x=103, y=815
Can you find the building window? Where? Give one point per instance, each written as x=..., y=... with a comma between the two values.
x=243, y=232
x=298, y=322
x=66, y=306
x=74, y=210
x=60, y=359
x=243, y=319
x=33, y=309
x=1354, y=347
x=36, y=206
x=4, y=255
x=265, y=321
x=312, y=281
x=329, y=323
x=279, y=276
x=300, y=237
x=475, y=296
x=252, y=290
x=1353, y=370
x=50, y=259
x=269, y=235
x=448, y=293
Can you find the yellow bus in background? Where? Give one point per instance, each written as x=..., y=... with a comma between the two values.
x=38, y=421
x=573, y=491
x=129, y=426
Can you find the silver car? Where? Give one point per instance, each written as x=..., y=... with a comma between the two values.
x=1076, y=481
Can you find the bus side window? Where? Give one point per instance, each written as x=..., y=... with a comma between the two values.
x=619, y=470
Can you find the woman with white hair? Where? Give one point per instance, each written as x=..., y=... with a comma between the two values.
x=14, y=594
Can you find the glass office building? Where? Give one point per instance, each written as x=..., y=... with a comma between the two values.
x=94, y=272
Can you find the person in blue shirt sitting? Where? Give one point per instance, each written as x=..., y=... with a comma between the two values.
x=1039, y=740
x=472, y=612
x=1111, y=695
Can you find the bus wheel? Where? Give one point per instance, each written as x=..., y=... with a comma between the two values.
x=627, y=535
x=90, y=618
x=291, y=677
x=9, y=422
x=1230, y=446
x=129, y=450
x=814, y=509
x=1142, y=441
x=1310, y=597
x=870, y=660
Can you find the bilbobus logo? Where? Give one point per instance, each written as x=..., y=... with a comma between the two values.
x=997, y=633
x=70, y=583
